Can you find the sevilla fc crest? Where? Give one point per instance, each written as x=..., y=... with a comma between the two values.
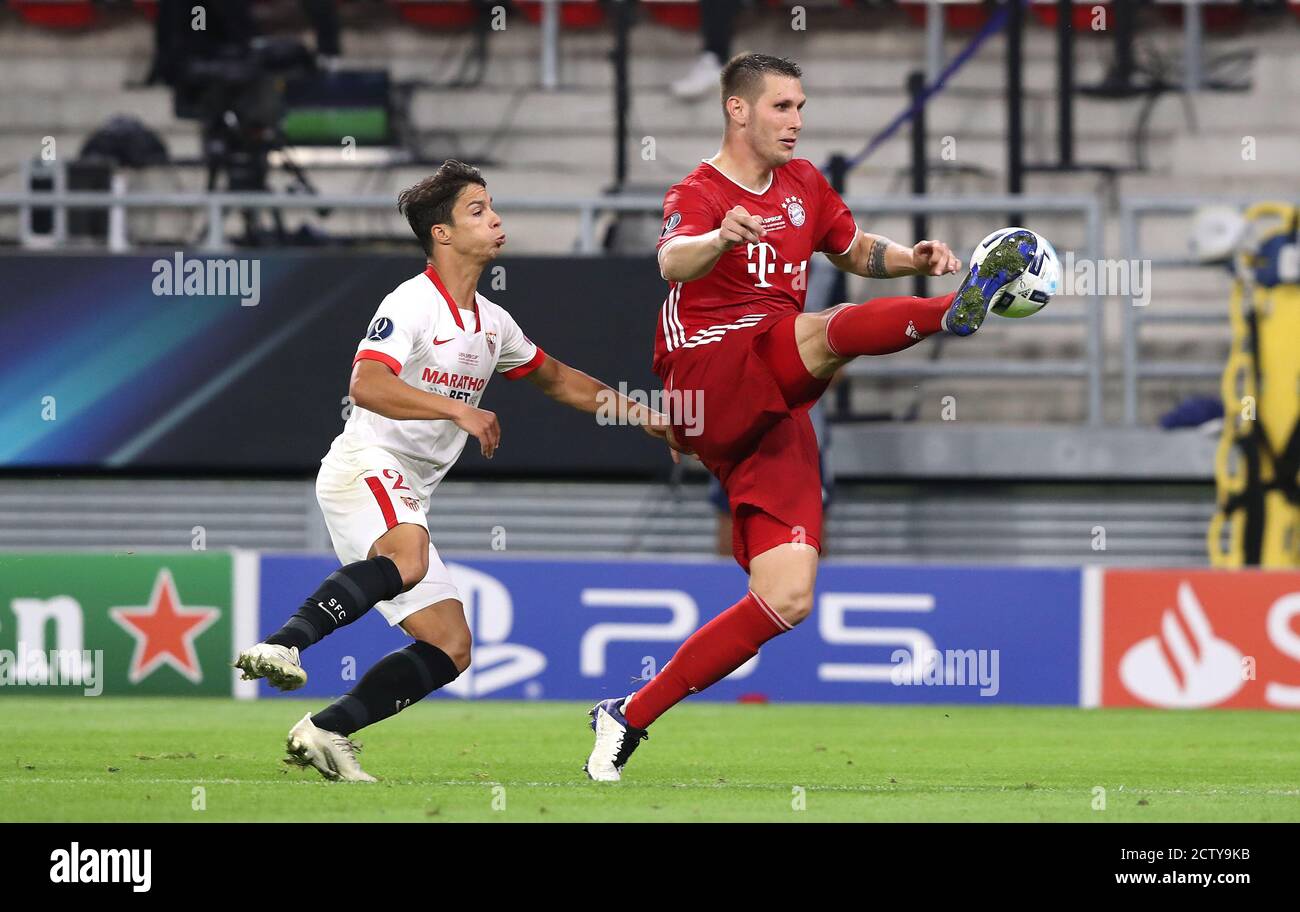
x=411, y=502
x=491, y=341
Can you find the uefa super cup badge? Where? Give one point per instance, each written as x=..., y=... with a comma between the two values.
x=793, y=207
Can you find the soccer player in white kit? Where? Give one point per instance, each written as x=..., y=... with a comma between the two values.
x=417, y=380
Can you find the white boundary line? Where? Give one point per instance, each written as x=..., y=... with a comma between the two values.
x=1090, y=626
x=245, y=592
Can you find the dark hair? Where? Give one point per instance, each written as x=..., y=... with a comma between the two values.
x=743, y=74
x=430, y=201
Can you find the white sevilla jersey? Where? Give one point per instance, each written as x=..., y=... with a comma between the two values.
x=430, y=343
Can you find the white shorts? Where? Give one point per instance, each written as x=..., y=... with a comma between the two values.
x=363, y=494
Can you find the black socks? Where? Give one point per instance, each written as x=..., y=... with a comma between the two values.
x=346, y=594
x=394, y=683
x=398, y=679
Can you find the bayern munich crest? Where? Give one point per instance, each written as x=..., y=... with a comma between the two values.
x=793, y=207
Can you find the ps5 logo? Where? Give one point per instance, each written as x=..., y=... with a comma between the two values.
x=490, y=613
x=683, y=618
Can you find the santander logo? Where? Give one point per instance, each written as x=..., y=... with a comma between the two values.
x=1185, y=665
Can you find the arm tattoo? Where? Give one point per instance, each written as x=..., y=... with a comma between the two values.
x=876, y=260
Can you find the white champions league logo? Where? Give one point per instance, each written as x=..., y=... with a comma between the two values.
x=1206, y=670
x=490, y=613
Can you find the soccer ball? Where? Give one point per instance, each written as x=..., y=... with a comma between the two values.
x=1030, y=293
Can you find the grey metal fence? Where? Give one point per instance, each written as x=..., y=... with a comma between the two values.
x=1135, y=369
x=1087, y=368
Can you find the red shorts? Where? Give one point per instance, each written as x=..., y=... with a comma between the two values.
x=741, y=403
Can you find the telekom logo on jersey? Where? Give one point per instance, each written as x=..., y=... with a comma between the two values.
x=764, y=264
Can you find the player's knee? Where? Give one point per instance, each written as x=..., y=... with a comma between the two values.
x=793, y=603
x=456, y=644
x=413, y=565
x=459, y=653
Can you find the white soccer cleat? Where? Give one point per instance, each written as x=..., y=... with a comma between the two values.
x=616, y=739
x=332, y=754
x=278, y=664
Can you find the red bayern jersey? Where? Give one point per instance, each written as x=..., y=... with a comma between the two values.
x=802, y=214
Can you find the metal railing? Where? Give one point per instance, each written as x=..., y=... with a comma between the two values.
x=1193, y=60
x=218, y=205
x=1089, y=367
x=1131, y=212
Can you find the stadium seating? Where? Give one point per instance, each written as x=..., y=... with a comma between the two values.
x=574, y=14
x=436, y=14
x=1216, y=16
x=57, y=14
x=680, y=14
x=963, y=14
x=1045, y=11
x=559, y=143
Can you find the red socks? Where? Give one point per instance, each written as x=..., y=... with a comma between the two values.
x=885, y=325
x=709, y=654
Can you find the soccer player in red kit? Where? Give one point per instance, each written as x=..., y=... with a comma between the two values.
x=733, y=342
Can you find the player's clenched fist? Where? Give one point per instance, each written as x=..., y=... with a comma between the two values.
x=934, y=258
x=660, y=427
x=482, y=424
x=739, y=227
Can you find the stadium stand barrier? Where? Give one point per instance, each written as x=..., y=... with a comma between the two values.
x=1087, y=209
x=1133, y=211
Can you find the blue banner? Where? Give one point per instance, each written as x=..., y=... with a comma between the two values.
x=146, y=362
x=586, y=630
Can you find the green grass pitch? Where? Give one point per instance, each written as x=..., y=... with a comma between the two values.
x=140, y=759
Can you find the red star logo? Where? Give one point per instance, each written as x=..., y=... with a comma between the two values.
x=164, y=631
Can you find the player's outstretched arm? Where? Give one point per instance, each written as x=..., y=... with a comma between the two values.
x=377, y=389
x=876, y=257
x=686, y=258
x=587, y=394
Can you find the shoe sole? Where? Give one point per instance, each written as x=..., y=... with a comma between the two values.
x=973, y=304
x=279, y=675
x=300, y=754
x=618, y=774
